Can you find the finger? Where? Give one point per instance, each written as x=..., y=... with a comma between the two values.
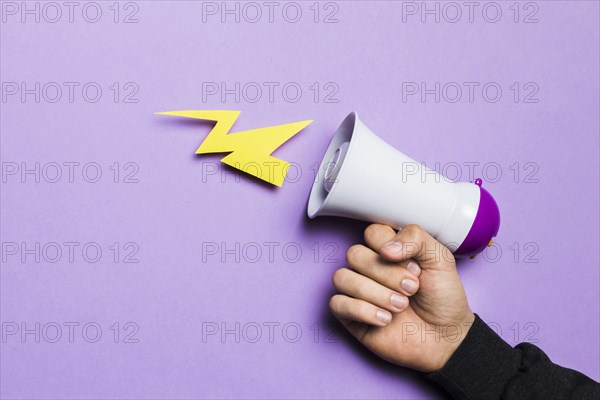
x=368, y=263
x=344, y=307
x=376, y=235
x=360, y=287
x=414, y=242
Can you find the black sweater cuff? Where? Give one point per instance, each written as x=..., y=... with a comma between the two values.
x=481, y=366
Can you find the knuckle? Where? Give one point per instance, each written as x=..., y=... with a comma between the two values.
x=390, y=274
x=358, y=309
x=334, y=303
x=371, y=231
x=339, y=277
x=361, y=289
x=412, y=230
x=370, y=264
x=353, y=253
x=412, y=234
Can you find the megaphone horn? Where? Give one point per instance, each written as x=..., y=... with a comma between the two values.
x=363, y=177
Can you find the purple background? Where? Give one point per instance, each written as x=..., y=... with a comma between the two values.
x=173, y=210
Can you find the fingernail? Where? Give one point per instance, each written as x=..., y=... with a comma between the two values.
x=414, y=268
x=394, y=248
x=398, y=301
x=409, y=285
x=384, y=316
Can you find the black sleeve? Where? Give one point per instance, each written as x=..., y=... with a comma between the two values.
x=485, y=367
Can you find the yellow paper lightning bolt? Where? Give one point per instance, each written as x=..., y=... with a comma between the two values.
x=250, y=151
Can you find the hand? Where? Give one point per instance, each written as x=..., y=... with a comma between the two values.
x=403, y=298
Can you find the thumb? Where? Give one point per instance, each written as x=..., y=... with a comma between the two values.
x=414, y=242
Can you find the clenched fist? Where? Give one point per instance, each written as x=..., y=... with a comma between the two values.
x=402, y=297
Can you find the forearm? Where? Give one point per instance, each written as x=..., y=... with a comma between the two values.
x=486, y=367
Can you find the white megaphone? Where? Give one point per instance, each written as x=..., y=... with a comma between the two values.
x=365, y=178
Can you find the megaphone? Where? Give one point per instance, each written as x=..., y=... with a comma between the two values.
x=365, y=178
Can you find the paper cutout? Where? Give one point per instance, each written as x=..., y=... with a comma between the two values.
x=250, y=151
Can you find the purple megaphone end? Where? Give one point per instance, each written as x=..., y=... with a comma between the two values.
x=485, y=226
